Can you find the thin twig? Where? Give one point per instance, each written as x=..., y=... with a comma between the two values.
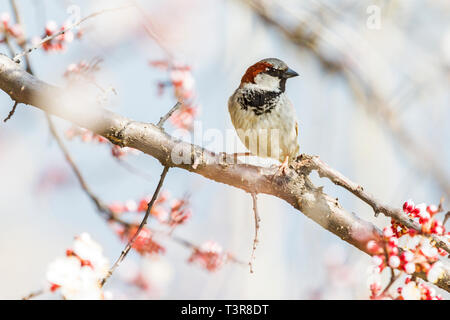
x=393, y=277
x=9, y=45
x=150, y=32
x=15, y=11
x=11, y=113
x=257, y=221
x=33, y=294
x=391, y=282
x=440, y=207
x=22, y=40
x=164, y=118
x=447, y=216
x=53, y=36
x=98, y=203
x=141, y=226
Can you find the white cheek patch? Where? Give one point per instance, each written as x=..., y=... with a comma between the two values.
x=267, y=82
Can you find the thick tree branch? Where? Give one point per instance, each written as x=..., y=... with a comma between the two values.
x=295, y=187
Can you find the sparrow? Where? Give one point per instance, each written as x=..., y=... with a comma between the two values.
x=261, y=113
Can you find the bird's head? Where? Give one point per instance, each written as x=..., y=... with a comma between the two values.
x=268, y=74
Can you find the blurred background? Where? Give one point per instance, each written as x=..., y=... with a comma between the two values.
x=372, y=101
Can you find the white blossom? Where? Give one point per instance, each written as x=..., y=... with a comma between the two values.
x=87, y=249
x=411, y=291
x=78, y=275
x=63, y=271
x=435, y=272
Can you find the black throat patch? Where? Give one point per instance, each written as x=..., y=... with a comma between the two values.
x=259, y=102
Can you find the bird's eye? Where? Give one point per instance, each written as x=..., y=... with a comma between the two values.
x=274, y=72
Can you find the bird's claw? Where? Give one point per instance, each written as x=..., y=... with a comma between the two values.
x=282, y=168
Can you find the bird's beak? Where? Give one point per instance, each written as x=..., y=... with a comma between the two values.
x=289, y=73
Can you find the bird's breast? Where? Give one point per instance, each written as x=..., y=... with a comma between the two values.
x=259, y=102
x=254, y=111
x=273, y=120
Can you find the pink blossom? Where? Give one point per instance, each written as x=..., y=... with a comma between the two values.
x=209, y=256
x=394, y=261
